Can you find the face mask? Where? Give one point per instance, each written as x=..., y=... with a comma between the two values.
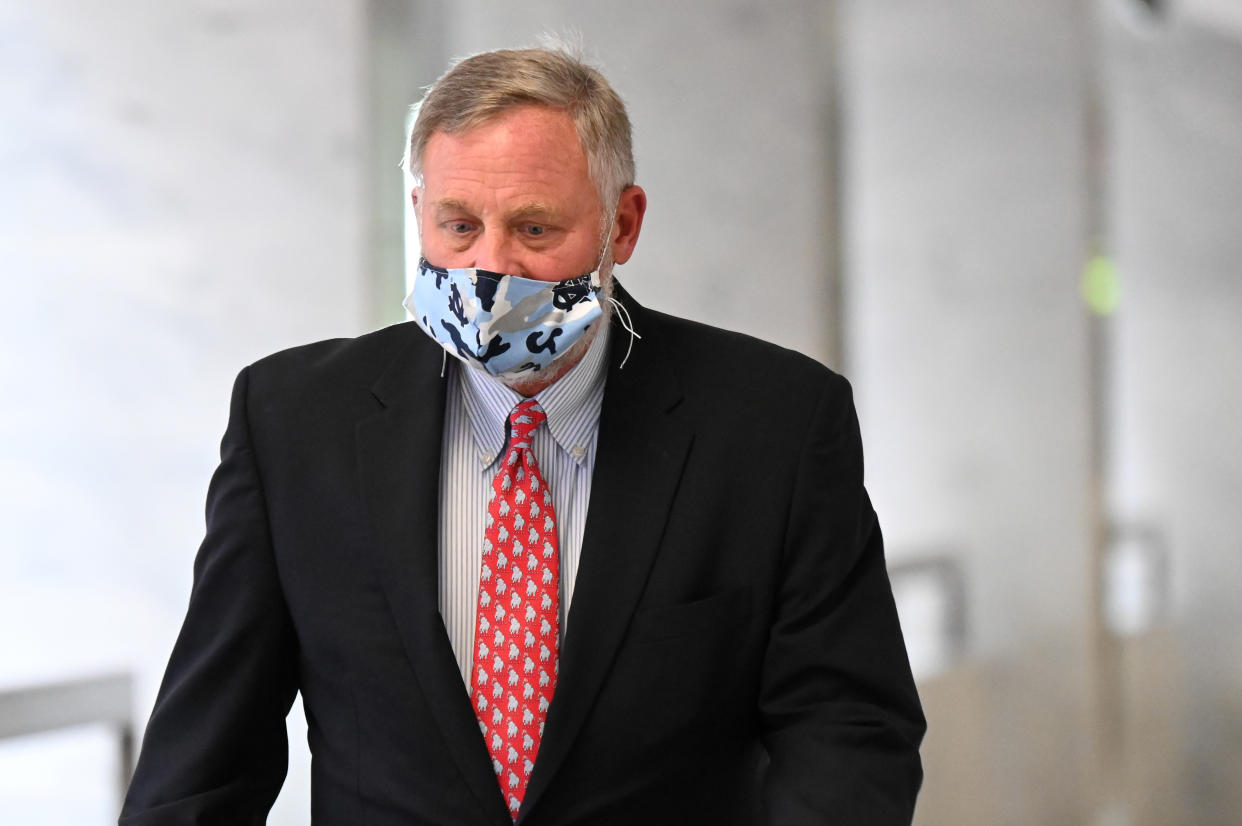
x=509, y=326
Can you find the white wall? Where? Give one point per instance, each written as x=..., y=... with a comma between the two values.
x=181, y=195
x=1177, y=127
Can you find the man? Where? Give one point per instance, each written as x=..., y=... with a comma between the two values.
x=602, y=566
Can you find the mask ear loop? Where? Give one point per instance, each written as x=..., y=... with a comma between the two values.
x=418, y=225
x=603, y=251
x=623, y=315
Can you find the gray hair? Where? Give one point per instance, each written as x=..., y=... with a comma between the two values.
x=484, y=86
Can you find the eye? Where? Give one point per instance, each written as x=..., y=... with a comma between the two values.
x=458, y=227
x=536, y=230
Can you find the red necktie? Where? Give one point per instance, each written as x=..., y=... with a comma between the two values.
x=518, y=620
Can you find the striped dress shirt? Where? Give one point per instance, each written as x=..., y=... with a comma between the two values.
x=476, y=414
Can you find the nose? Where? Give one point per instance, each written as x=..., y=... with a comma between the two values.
x=495, y=252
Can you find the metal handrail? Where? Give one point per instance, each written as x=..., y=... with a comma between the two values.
x=107, y=699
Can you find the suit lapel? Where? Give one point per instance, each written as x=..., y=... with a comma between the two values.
x=399, y=467
x=642, y=448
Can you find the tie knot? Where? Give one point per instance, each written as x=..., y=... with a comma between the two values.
x=524, y=419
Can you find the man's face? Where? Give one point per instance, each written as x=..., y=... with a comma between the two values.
x=512, y=196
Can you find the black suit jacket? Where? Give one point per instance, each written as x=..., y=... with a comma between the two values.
x=732, y=655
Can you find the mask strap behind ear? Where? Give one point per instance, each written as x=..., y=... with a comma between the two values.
x=603, y=250
x=623, y=315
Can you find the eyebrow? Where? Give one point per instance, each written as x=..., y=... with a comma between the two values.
x=450, y=205
x=532, y=209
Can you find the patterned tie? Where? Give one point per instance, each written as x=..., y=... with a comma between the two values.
x=518, y=619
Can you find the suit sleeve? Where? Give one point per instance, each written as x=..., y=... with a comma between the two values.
x=215, y=749
x=840, y=714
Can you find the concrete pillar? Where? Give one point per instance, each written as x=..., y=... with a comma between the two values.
x=965, y=233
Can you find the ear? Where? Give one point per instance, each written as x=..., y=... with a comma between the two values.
x=416, y=193
x=629, y=222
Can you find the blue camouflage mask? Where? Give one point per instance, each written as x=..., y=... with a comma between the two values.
x=507, y=325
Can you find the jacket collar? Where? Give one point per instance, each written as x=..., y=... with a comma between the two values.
x=399, y=473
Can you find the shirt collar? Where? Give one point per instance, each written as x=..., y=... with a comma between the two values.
x=571, y=403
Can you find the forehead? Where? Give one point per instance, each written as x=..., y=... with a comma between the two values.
x=526, y=152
